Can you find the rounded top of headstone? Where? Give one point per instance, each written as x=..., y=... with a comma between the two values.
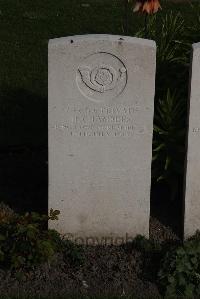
x=196, y=46
x=103, y=37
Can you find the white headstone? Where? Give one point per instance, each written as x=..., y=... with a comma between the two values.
x=101, y=99
x=192, y=189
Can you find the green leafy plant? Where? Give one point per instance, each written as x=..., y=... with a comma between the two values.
x=173, y=265
x=167, y=31
x=169, y=139
x=192, y=33
x=6, y=213
x=180, y=270
x=25, y=242
x=172, y=71
x=170, y=38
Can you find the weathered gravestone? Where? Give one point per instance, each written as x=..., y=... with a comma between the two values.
x=101, y=98
x=192, y=189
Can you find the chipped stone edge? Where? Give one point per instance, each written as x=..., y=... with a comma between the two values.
x=102, y=37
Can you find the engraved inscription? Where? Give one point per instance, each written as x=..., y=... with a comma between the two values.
x=196, y=130
x=101, y=76
x=100, y=122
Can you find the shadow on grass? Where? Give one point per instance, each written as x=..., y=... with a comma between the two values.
x=168, y=212
x=23, y=150
x=24, y=156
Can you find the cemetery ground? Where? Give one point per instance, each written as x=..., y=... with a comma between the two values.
x=26, y=27
x=25, y=30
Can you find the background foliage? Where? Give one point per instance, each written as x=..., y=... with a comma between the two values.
x=173, y=38
x=26, y=27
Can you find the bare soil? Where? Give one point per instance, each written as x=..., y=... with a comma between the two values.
x=119, y=270
x=106, y=270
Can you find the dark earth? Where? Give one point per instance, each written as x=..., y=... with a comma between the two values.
x=24, y=187
x=106, y=269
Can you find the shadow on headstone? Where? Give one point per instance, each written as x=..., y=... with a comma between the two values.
x=23, y=150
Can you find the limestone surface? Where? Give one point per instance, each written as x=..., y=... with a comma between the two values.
x=101, y=102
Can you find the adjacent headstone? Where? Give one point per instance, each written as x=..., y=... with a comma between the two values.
x=192, y=189
x=101, y=99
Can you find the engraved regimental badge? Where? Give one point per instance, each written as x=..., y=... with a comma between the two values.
x=101, y=76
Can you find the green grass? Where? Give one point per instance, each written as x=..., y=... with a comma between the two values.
x=78, y=297
x=25, y=28
x=82, y=297
x=86, y=297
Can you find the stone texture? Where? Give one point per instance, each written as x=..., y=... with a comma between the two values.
x=192, y=189
x=101, y=99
